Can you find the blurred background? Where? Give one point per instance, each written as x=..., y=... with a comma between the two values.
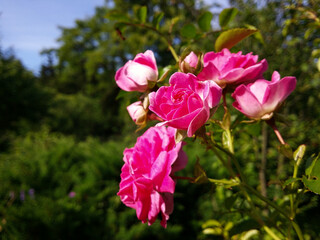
x=64, y=124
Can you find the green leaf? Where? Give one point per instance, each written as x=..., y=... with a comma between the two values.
x=226, y=16
x=188, y=31
x=142, y=14
x=204, y=21
x=211, y=223
x=229, y=38
x=299, y=153
x=212, y=227
x=117, y=16
x=318, y=64
x=244, y=226
x=157, y=19
x=286, y=150
x=230, y=201
x=212, y=231
x=312, y=180
x=199, y=173
x=289, y=181
x=256, y=35
x=310, y=164
x=308, y=32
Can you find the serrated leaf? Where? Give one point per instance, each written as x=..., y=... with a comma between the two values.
x=117, y=16
x=188, y=31
x=226, y=16
x=286, y=150
x=204, y=21
x=299, y=153
x=157, y=19
x=230, y=38
x=312, y=180
x=142, y=14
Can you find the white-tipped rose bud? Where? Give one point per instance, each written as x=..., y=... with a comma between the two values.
x=138, y=113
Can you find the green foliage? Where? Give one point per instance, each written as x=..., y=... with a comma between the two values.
x=188, y=31
x=204, y=21
x=226, y=16
x=81, y=116
x=312, y=180
x=23, y=101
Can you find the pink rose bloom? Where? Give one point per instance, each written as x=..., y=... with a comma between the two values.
x=137, y=112
x=146, y=183
x=186, y=103
x=260, y=99
x=231, y=69
x=136, y=73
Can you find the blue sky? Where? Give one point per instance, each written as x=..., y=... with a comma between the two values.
x=29, y=26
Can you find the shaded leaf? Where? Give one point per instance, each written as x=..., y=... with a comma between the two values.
x=117, y=16
x=204, y=21
x=188, y=31
x=229, y=38
x=226, y=16
x=230, y=201
x=142, y=14
x=244, y=226
x=310, y=164
x=286, y=150
x=312, y=180
x=157, y=19
x=199, y=173
x=289, y=181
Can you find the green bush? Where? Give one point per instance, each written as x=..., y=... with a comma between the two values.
x=53, y=187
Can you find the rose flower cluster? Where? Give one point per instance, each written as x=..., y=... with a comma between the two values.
x=185, y=104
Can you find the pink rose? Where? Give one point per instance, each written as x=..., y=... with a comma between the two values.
x=135, y=74
x=260, y=99
x=231, y=69
x=189, y=63
x=146, y=183
x=186, y=103
x=137, y=112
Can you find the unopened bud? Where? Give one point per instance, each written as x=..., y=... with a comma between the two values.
x=138, y=113
x=191, y=63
